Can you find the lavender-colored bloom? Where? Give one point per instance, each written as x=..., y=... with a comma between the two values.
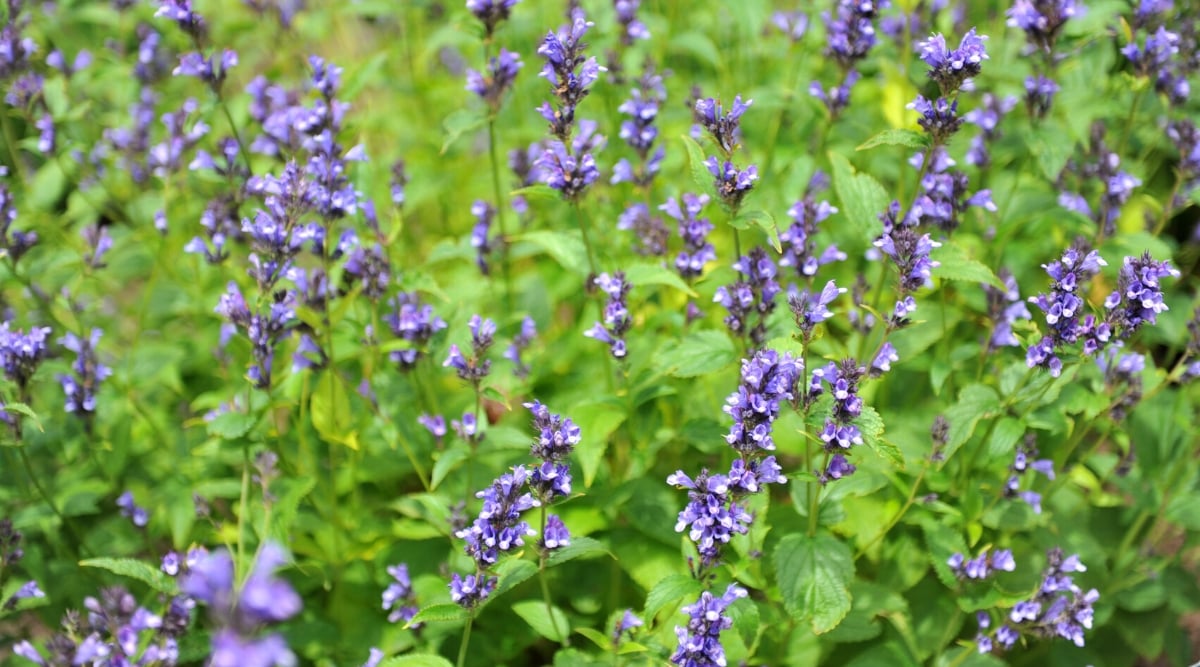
x=413, y=321
x=520, y=343
x=491, y=12
x=837, y=98
x=375, y=657
x=943, y=196
x=1062, y=306
x=939, y=118
x=469, y=591
x=840, y=432
x=130, y=510
x=1123, y=379
x=712, y=516
x=792, y=24
x=1025, y=460
x=983, y=566
x=181, y=12
x=732, y=185
x=571, y=172
x=1138, y=299
x=616, y=318
x=398, y=598
x=950, y=68
x=810, y=309
x=884, y=359
x=501, y=72
x=435, y=424
x=399, y=182
x=724, y=128
x=556, y=435
x=182, y=134
x=1005, y=308
x=99, y=242
x=477, y=367
x=1039, y=95
x=850, y=33
x=694, y=231
x=499, y=527
x=1042, y=20
x=838, y=468
x=264, y=329
x=987, y=119
x=368, y=269
x=631, y=28
x=1060, y=608
x=752, y=296
x=484, y=214
x=13, y=242
x=208, y=70
x=650, y=232
x=800, y=250
x=700, y=642
x=640, y=132
x=556, y=535
x=569, y=72
x=767, y=379
x=625, y=626
x=80, y=388
x=910, y=253
x=21, y=353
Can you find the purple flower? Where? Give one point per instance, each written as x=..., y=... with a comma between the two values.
x=983, y=566
x=694, y=231
x=556, y=535
x=130, y=510
x=208, y=70
x=264, y=329
x=501, y=72
x=640, y=132
x=1138, y=298
x=413, y=321
x=1025, y=460
x=732, y=185
x=943, y=196
x=631, y=28
x=398, y=598
x=625, y=625
x=700, y=641
x=1005, y=308
x=884, y=359
x=1039, y=95
x=838, y=97
x=571, y=172
x=469, y=591
x=617, y=320
x=792, y=24
x=649, y=230
x=810, y=309
x=21, y=353
x=850, y=32
x=910, y=253
x=1062, y=306
x=491, y=12
x=484, y=214
x=520, y=343
x=751, y=297
x=180, y=11
x=939, y=118
x=569, y=72
x=1042, y=20
x=477, y=367
x=950, y=68
x=767, y=379
x=724, y=128
x=840, y=433
x=556, y=435
x=499, y=527
x=800, y=251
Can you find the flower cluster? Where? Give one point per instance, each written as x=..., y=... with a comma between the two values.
x=521, y=342
x=412, y=321
x=571, y=171
x=569, y=72
x=484, y=214
x=649, y=231
x=811, y=308
x=616, y=319
x=21, y=353
x=556, y=439
x=951, y=68
x=982, y=566
x=1005, y=308
x=939, y=118
x=1063, y=305
x=713, y=514
x=640, y=132
x=850, y=35
x=1186, y=138
x=11, y=554
x=80, y=388
x=498, y=528
x=491, y=12
x=694, y=231
x=752, y=295
x=1102, y=167
x=792, y=24
x=398, y=598
x=13, y=242
x=1059, y=608
x=987, y=119
x=1157, y=61
x=724, y=128
x=1043, y=20
x=800, y=250
x=840, y=432
x=625, y=626
x=732, y=184
x=132, y=511
x=240, y=614
x=477, y=367
x=501, y=72
x=631, y=28
x=1138, y=298
x=700, y=641
x=943, y=196
x=910, y=253
x=1122, y=379
x=265, y=329
x=768, y=378
x=1023, y=461
x=1039, y=95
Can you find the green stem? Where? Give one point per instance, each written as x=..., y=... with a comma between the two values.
x=11, y=142
x=245, y=503
x=814, y=503
x=46, y=497
x=501, y=215
x=587, y=241
x=462, y=649
x=546, y=587
x=912, y=496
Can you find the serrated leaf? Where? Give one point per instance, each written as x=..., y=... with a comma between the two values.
x=699, y=353
x=597, y=421
x=896, y=137
x=512, y=572
x=695, y=159
x=861, y=198
x=330, y=408
x=668, y=592
x=870, y=424
x=764, y=221
x=955, y=265
x=534, y=613
x=1004, y=438
x=656, y=274
x=566, y=247
x=135, y=569
x=746, y=621
x=231, y=425
x=975, y=402
x=580, y=547
x=437, y=613
x=459, y=123
x=813, y=575
x=417, y=660
x=289, y=493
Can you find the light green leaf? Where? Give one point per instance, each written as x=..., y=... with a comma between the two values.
x=580, y=547
x=597, y=421
x=955, y=265
x=870, y=424
x=446, y=611
x=459, y=123
x=861, y=198
x=1004, y=438
x=417, y=660
x=22, y=409
x=447, y=461
x=536, y=191
x=289, y=492
x=695, y=158
x=699, y=353
x=698, y=45
x=896, y=137
x=601, y=640
x=512, y=572
x=566, y=247
x=656, y=274
x=330, y=406
x=535, y=614
x=669, y=592
x=813, y=574
x=135, y=569
x=975, y=402
x=231, y=425
x=764, y=221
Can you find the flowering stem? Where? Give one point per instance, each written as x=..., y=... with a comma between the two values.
x=462, y=649
x=500, y=213
x=814, y=503
x=587, y=241
x=1168, y=205
x=912, y=496
x=1129, y=119
x=542, y=552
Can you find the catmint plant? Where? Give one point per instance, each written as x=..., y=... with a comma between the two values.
x=616, y=320
x=750, y=300
x=850, y=36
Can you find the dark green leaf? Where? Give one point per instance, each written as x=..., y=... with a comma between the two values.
x=446, y=611
x=861, y=198
x=701, y=177
x=975, y=402
x=580, y=547
x=699, y=353
x=535, y=614
x=669, y=592
x=813, y=574
x=135, y=569
x=955, y=265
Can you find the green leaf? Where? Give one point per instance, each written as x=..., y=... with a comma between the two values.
x=870, y=424
x=512, y=572
x=447, y=461
x=580, y=547
x=22, y=409
x=975, y=402
x=699, y=353
x=656, y=274
x=566, y=247
x=459, y=123
x=861, y=198
x=289, y=492
x=695, y=158
x=47, y=186
x=536, y=191
x=231, y=425
x=597, y=421
x=135, y=569
x=1004, y=438
x=535, y=614
x=601, y=640
x=746, y=620
x=330, y=406
x=896, y=137
x=813, y=574
x=669, y=592
x=446, y=611
x=417, y=660
x=955, y=265
x=697, y=44
x=761, y=219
